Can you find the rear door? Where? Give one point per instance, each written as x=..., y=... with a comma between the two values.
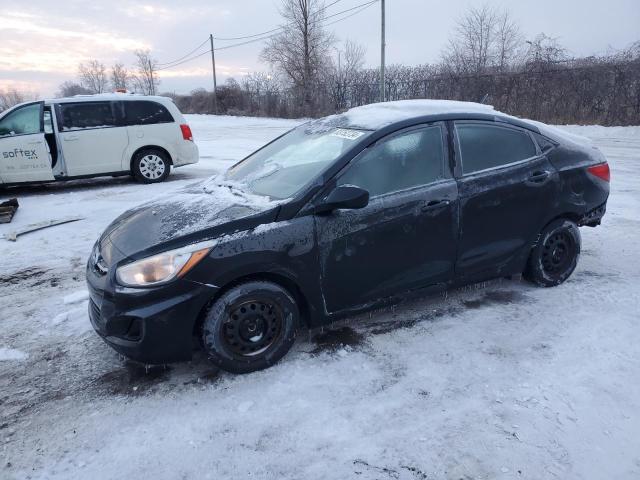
x=93, y=140
x=150, y=123
x=24, y=155
x=406, y=237
x=507, y=190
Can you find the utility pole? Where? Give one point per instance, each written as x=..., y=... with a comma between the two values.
x=213, y=64
x=382, y=47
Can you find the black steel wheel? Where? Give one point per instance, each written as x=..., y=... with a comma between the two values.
x=250, y=327
x=555, y=256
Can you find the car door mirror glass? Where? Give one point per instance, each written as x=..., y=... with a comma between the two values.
x=344, y=196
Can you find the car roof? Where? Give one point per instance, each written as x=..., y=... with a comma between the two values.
x=108, y=97
x=378, y=115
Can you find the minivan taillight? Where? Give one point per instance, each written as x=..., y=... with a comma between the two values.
x=186, y=132
x=601, y=171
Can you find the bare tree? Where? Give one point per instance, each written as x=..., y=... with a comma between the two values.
x=93, y=76
x=69, y=89
x=484, y=38
x=508, y=40
x=146, y=80
x=546, y=50
x=343, y=72
x=302, y=49
x=120, y=77
x=11, y=97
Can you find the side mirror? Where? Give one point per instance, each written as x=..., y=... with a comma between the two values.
x=344, y=196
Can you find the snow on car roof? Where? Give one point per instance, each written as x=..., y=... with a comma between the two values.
x=378, y=115
x=108, y=96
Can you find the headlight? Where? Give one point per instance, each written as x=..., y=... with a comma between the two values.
x=163, y=267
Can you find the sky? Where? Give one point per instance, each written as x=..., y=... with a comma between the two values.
x=43, y=41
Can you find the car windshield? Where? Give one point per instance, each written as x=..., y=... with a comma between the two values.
x=287, y=165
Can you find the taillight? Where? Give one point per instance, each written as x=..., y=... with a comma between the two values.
x=601, y=171
x=186, y=132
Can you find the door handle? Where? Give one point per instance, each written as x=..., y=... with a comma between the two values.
x=35, y=142
x=434, y=204
x=538, y=176
x=69, y=138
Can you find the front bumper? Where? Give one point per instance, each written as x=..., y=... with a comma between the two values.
x=148, y=325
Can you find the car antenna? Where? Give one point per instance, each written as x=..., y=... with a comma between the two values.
x=484, y=99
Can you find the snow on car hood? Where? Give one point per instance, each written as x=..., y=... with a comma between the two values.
x=205, y=209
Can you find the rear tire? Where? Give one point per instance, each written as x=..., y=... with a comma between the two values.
x=250, y=327
x=555, y=256
x=150, y=166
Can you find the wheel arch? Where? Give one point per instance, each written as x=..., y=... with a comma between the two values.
x=280, y=279
x=149, y=147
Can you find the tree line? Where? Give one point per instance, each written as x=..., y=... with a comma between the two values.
x=486, y=59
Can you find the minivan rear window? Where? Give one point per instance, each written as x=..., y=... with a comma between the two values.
x=144, y=112
x=77, y=116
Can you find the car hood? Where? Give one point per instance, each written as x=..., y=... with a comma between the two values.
x=195, y=213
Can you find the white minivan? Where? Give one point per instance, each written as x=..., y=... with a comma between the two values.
x=94, y=135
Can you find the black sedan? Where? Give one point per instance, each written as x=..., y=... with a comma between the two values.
x=337, y=216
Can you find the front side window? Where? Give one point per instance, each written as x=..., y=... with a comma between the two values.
x=145, y=112
x=22, y=121
x=288, y=164
x=408, y=160
x=489, y=146
x=78, y=116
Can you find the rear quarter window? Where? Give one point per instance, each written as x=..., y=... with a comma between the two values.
x=145, y=112
x=78, y=116
x=488, y=146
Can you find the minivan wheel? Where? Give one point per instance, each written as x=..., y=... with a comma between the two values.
x=555, y=256
x=250, y=327
x=150, y=166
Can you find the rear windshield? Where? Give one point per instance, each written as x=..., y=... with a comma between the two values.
x=288, y=164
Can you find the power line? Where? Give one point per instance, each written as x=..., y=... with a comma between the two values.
x=185, y=56
x=359, y=9
x=355, y=10
x=185, y=61
x=273, y=29
x=367, y=5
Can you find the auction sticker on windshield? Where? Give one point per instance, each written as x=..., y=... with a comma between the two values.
x=347, y=134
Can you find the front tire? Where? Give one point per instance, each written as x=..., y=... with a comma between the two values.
x=150, y=166
x=250, y=327
x=555, y=256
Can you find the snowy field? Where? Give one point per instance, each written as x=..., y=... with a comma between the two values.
x=497, y=381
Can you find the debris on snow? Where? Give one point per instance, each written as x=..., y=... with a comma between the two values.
x=8, y=210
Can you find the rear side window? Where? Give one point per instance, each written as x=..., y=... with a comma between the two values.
x=408, y=160
x=77, y=116
x=489, y=146
x=144, y=112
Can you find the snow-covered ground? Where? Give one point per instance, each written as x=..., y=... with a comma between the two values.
x=499, y=380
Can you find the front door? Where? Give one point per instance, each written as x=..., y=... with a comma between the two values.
x=507, y=187
x=406, y=237
x=24, y=156
x=92, y=140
